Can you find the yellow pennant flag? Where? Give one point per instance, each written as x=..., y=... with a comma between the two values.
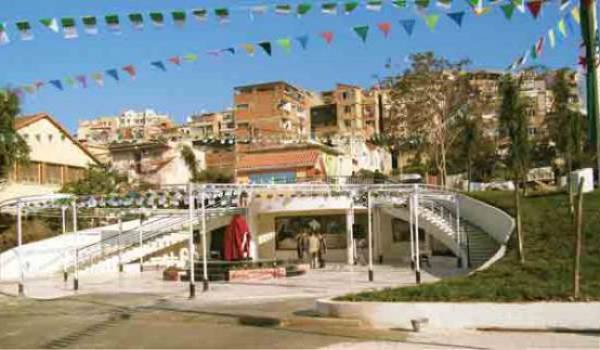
x=249, y=48
x=575, y=14
x=562, y=28
x=482, y=11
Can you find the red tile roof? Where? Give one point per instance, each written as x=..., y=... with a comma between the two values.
x=278, y=160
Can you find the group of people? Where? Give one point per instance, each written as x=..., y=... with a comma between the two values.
x=314, y=247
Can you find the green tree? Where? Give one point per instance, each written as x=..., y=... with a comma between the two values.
x=513, y=123
x=190, y=161
x=13, y=148
x=425, y=100
x=98, y=180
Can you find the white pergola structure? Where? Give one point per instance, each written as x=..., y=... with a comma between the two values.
x=203, y=200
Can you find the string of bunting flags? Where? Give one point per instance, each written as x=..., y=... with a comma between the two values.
x=286, y=44
x=138, y=21
x=560, y=30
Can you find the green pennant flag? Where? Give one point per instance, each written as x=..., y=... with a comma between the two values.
x=200, y=14
x=112, y=22
x=350, y=6
x=473, y=3
x=178, y=18
x=399, y=3
x=533, y=52
x=266, y=46
x=362, y=32
x=374, y=5
x=432, y=21
x=50, y=23
x=422, y=4
x=70, y=81
x=222, y=13
x=285, y=44
x=283, y=9
x=303, y=9
x=190, y=57
x=508, y=10
x=25, y=29
x=69, y=28
x=329, y=8
x=90, y=25
x=157, y=19
x=137, y=21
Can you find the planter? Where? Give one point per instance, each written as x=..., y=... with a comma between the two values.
x=172, y=274
x=254, y=274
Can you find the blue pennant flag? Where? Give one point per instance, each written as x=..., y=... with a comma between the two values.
x=160, y=65
x=457, y=17
x=57, y=84
x=408, y=25
x=230, y=49
x=303, y=40
x=113, y=73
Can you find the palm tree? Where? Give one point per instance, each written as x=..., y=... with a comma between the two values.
x=513, y=122
x=13, y=148
x=469, y=137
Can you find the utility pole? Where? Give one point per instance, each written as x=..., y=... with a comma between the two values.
x=589, y=27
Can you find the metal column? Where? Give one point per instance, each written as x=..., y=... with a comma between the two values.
x=76, y=237
x=417, y=240
x=191, y=246
x=370, y=233
x=204, y=250
x=411, y=224
x=19, y=243
x=350, y=231
x=119, y=243
x=63, y=211
x=141, y=234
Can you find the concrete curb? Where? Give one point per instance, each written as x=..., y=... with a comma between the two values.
x=576, y=316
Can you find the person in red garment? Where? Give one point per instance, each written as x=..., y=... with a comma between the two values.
x=236, y=245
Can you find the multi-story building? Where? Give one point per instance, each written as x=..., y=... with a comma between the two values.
x=272, y=110
x=214, y=125
x=130, y=125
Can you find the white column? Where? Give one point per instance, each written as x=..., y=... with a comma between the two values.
x=417, y=240
x=411, y=225
x=461, y=258
x=141, y=238
x=76, y=238
x=19, y=243
x=370, y=233
x=204, y=256
x=191, y=245
x=119, y=243
x=350, y=232
x=63, y=211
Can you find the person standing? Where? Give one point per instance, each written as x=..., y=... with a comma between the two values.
x=322, y=249
x=300, y=248
x=313, y=250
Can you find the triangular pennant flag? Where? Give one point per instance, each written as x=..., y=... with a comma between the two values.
x=519, y=5
x=523, y=59
x=30, y=89
x=50, y=23
x=534, y=7
x=482, y=11
x=39, y=84
x=539, y=46
x=303, y=40
x=432, y=21
x=191, y=57
x=82, y=80
x=25, y=29
x=285, y=44
x=222, y=14
x=508, y=10
x=445, y=4
x=408, y=25
x=283, y=9
x=328, y=36
x=422, y=4
x=350, y=6
x=457, y=17
x=113, y=73
x=215, y=53
x=374, y=5
x=533, y=53
x=562, y=28
x=130, y=70
x=329, y=8
x=385, y=27
x=90, y=25
x=266, y=46
x=112, y=22
x=303, y=9
x=249, y=48
x=160, y=65
x=137, y=21
x=399, y=3
x=200, y=14
x=4, y=39
x=569, y=23
x=175, y=60
x=576, y=15
x=551, y=38
x=57, y=84
x=69, y=28
x=475, y=3
x=362, y=32
x=157, y=18
x=178, y=18
x=98, y=78
x=231, y=50
x=258, y=10
x=70, y=81
x=564, y=4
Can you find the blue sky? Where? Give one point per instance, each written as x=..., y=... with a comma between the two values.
x=490, y=41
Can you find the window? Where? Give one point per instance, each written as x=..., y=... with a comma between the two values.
x=345, y=95
x=50, y=136
x=401, y=231
x=348, y=123
x=242, y=107
x=531, y=131
x=347, y=109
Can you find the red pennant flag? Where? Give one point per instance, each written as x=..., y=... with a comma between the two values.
x=175, y=60
x=328, y=36
x=539, y=46
x=534, y=7
x=130, y=70
x=39, y=84
x=385, y=27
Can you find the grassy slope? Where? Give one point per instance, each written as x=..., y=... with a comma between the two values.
x=547, y=273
